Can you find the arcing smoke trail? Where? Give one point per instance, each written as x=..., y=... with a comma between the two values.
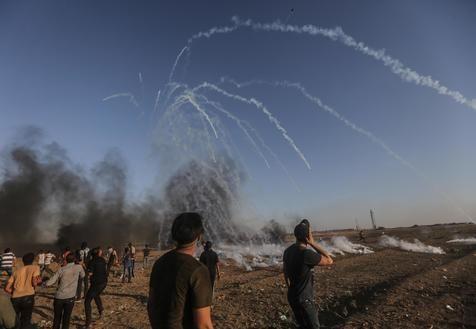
x=337, y=34
x=132, y=98
x=317, y=101
x=177, y=60
x=240, y=123
x=261, y=107
x=190, y=98
x=276, y=158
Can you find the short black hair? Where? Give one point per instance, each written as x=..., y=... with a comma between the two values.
x=70, y=258
x=28, y=258
x=208, y=245
x=84, y=245
x=187, y=227
x=301, y=230
x=8, y=250
x=95, y=251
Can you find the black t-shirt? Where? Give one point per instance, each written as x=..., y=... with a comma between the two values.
x=178, y=284
x=298, y=264
x=210, y=259
x=97, y=266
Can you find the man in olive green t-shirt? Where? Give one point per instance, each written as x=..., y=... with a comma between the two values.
x=180, y=294
x=22, y=287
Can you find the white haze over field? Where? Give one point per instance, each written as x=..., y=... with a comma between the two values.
x=415, y=246
x=464, y=241
x=265, y=255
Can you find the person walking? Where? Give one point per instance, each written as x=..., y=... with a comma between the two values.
x=7, y=261
x=49, y=258
x=21, y=285
x=67, y=278
x=127, y=265
x=299, y=262
x=82, y=260
x=132, y=251
x=97, y=271
x=41, y=260
x=210, y=259
x=111, y=259
x=180, y=293
x=146, y=253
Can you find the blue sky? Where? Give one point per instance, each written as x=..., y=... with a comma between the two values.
x=59, y=59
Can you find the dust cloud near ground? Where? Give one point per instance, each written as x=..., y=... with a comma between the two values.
x=389, y=288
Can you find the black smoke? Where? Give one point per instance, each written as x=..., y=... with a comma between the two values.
x=45, y=197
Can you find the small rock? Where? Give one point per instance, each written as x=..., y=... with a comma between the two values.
x=450, y=308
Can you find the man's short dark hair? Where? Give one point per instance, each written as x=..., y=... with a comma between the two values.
x=301, y=230
x=187, y=227
x=28, y=258
x=208, y=245
x=95, y=251
x=70, y=258
x=7, y=250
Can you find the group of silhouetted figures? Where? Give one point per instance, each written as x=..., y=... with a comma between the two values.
x=180, y=288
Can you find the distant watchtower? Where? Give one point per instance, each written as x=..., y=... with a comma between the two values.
x=372, y=218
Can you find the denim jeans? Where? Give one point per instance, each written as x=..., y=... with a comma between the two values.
x=82, y=282
x=24, y=308
x=62, y=312
x=94, y=292
x=305, y=312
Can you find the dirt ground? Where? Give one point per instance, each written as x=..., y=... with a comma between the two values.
x=390, y=288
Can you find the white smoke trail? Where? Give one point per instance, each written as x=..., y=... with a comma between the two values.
x=239, y=123
x=131, y=97
x=157, y=100
x=374, y=139
x=260, y=106
x=416, y=246
x=190, y=98
x=463, y=241
x=337, y=34
x=275, y=157
x=177, y=59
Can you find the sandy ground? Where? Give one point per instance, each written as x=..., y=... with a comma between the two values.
x=390, y=288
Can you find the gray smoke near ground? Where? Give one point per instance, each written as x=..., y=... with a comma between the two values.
x=209, y=188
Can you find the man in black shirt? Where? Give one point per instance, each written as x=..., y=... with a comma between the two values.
x=298, y=264
x=180, y=293
x=210, y=259
x=97, y=270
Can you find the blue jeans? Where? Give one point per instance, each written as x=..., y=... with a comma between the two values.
x=305, y=312
x=128, y=270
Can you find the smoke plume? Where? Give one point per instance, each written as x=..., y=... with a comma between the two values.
x=45, y=198
x=416, y=246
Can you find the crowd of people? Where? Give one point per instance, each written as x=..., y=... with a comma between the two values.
x=180, y=288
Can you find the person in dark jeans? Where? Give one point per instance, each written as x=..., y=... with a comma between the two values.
x=82, y=259
x=210, y=259
x=127, y=266
x=299, y=262
x=97, y=270
x=67, y=277
x=22, y=287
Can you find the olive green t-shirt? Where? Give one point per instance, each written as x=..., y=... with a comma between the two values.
x=178, y=284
